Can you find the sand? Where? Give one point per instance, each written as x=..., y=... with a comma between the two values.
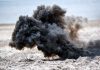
x=32, y=59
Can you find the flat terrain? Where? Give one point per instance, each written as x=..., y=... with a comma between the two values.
x=32, y=59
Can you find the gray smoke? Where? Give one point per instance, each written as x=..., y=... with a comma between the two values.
x=46, y=30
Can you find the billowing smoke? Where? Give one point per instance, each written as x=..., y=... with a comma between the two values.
x=46, y=30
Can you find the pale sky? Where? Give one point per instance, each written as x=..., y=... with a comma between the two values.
x=10, y=10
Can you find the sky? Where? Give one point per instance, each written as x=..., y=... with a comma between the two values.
x=10, y=10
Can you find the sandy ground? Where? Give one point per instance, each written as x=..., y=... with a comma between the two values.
x=32, y=59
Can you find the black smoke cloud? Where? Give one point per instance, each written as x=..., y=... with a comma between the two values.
x=46, y=30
